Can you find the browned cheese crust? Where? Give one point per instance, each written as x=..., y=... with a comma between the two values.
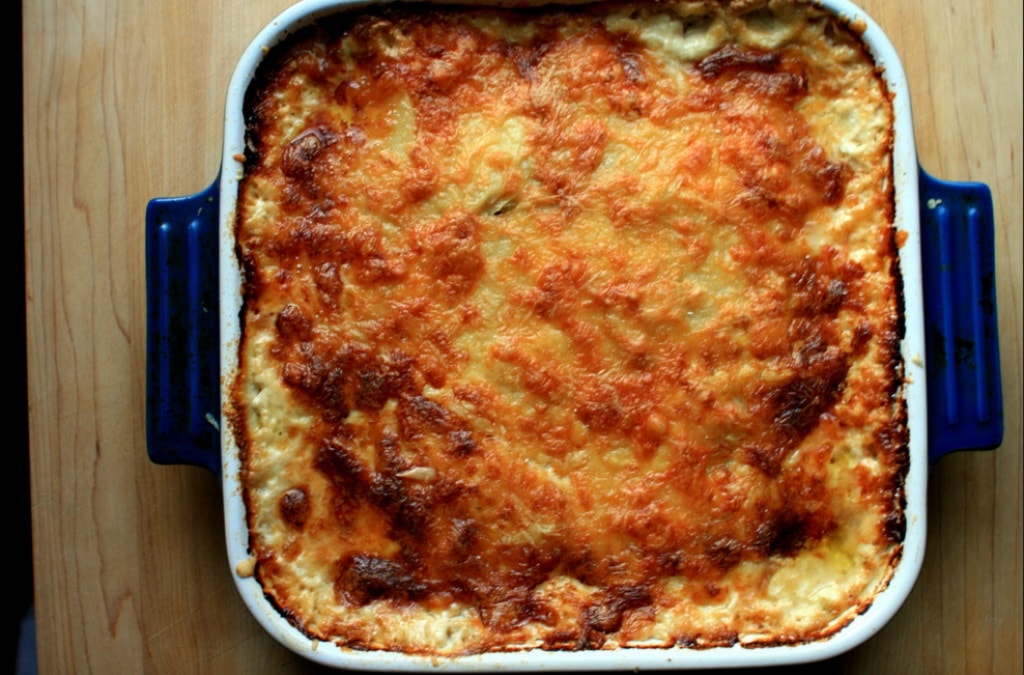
x=570, y=328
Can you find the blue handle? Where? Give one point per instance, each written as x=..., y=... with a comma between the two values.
x=183, y=340
x=965, y=399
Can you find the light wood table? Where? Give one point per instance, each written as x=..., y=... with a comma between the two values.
x=124, y=101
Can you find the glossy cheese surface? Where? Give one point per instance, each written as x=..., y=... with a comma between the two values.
x=570, y=328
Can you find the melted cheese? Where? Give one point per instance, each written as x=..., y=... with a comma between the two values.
x=570, y=328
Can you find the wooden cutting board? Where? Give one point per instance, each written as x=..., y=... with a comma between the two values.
x=123, y=102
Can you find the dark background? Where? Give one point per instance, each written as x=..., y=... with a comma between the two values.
x=19, y=587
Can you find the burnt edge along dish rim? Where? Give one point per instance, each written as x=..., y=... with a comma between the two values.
x=192, y=346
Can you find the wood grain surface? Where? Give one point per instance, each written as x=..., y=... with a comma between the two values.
x=123, y=102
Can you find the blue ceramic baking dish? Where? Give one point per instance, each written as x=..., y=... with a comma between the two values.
x=950, y=353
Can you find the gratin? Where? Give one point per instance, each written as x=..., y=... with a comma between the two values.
x=570, y=328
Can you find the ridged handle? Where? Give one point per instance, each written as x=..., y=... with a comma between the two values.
x=183, y=340
x=965, y=399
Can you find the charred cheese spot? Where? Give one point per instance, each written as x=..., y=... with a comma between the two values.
x=571, y=328
x=295, y=507
x=363, y=579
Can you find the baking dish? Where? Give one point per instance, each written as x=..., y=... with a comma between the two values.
x=182, y=227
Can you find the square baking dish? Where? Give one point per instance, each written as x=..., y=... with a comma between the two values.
x=950, y=355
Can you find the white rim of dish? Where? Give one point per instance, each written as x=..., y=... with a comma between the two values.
x=860, y=629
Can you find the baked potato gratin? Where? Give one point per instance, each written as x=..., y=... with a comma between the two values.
x=570, y=328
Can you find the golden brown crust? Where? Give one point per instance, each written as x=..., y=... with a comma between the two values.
x=572, y=327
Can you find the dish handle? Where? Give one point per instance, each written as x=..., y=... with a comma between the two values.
x=965, y=399
x=183, y=331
